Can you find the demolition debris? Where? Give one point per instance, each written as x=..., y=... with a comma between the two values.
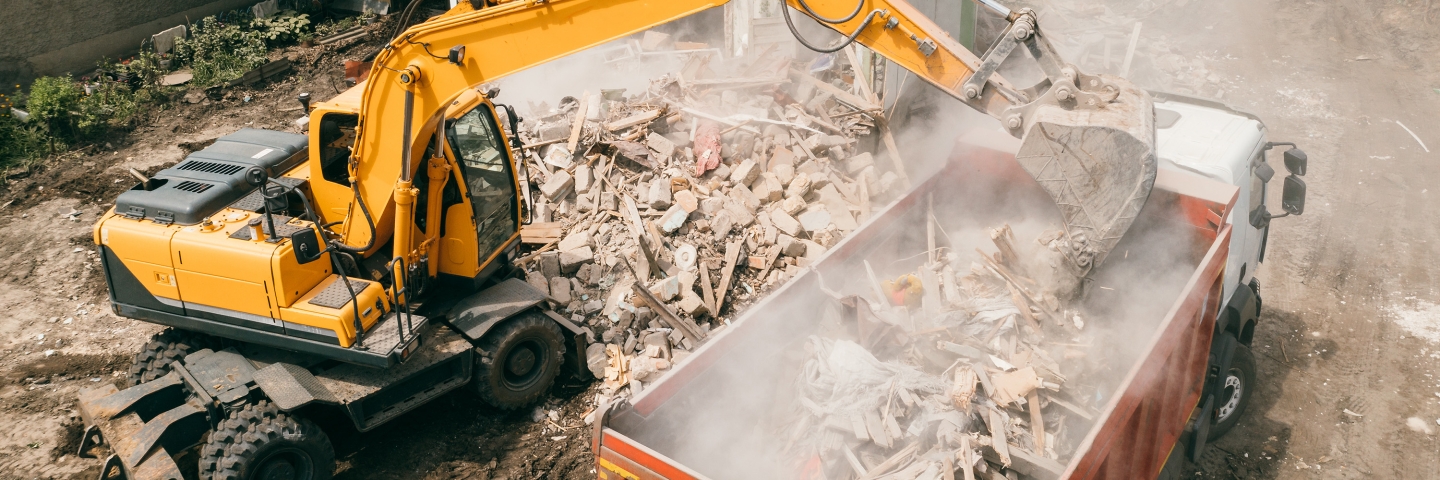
x=971, y=363
x=659, y=213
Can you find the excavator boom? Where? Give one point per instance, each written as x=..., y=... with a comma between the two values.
x=1088, y=140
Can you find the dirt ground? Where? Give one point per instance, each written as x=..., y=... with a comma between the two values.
x=1347, y=348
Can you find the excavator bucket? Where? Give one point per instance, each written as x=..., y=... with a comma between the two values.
x=1097, y=163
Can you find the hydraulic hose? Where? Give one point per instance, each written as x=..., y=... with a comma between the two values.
x=849, y=39
x=858, y=7
x=369, y=221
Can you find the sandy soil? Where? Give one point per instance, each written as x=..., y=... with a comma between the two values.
x=1350, y=321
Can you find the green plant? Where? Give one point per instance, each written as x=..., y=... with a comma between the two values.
x=219, y=52
x=112, y=105
x=282, y=29
x=53, y=104
x=333, y=27
x=22, y=144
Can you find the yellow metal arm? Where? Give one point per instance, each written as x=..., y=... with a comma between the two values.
x=498, y=41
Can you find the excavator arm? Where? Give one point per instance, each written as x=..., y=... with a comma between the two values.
x=1088, y=140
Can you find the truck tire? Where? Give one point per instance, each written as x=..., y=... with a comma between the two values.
x=261, y=442
x=153, y=361
x=519, y=361
x=1238, y=387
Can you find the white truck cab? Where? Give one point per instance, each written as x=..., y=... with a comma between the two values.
x=1214, y=140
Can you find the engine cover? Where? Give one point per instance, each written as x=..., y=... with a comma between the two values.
x=208, y=180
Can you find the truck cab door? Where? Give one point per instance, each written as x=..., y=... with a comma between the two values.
x=476, y=141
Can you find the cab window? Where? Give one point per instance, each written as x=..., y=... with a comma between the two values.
x=476, y=141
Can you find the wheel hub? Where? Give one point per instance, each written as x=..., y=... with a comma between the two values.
x=521, y=361
x=1234, y=388
x=280, y=469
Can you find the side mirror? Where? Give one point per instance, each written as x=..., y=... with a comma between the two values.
x=307, y=245
x=1296, y=161
x=1292, y=200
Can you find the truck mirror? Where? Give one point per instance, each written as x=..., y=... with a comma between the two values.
x=307, y=245
x=1292, y=200
x=1265, y=172
x=1295, y=162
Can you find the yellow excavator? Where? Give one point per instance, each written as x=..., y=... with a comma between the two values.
x=366, y=268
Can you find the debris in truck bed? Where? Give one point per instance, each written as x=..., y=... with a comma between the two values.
x=661, y=213
x=947, y=371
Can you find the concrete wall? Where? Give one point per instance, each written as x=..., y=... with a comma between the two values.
x=53, y=37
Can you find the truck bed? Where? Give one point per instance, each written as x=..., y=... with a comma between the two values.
x=715, y=415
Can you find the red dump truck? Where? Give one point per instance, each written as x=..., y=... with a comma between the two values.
x=1185, y=377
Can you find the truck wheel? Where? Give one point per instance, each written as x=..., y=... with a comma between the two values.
x=154, y=360
x=519, y=361
x=261, y=442
x=1239, y=387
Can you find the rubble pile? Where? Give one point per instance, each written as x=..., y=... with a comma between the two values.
x=659, y=212
x=972, y=365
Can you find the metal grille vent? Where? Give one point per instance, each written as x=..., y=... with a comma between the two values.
x=211, y=167
x=193, y=187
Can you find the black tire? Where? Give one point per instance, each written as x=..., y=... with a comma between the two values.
x=519, y=361
x=164, y=348
x=261, y=442
x=1238, y=388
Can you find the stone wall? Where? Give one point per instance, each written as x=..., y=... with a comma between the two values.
x=54, y=37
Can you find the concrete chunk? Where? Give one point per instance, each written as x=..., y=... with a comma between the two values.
x=721, y=223
x=816, y=218
x=785, y=222
x=560, y=289
x=673, y=219
x=574, y=241
x=660, y=197
x=558, y=186
x=793, y=205
x=571, y=261
x=785, y=173
x=746, y=198
x=660, y=145
x=666, y=289
x=583, y=178
x=685, y=199
x=799, y=187
x=691, y=304
x=859, y=162
x=746, y=172
x=790, y=246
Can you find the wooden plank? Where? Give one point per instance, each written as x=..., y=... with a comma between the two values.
x=542, y=233
x=1130, y=52
x=1037, y=423
x=707, y=287
x=727, y=273
x=633, y=120
x=997, y=436
x=579, y=124
x=686, y=327
x=893, y=149
x=967, y=464
x=841, y=95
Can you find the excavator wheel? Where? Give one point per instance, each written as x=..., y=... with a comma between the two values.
x=261, y=442
x=520, y=360
x=170, y=345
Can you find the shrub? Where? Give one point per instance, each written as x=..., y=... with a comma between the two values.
x=22, y=143
x=282, y=29
x=219, y=52
x=111, y=105
x=53, y=104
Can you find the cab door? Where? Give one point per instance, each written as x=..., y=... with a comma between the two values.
x=476, y=142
